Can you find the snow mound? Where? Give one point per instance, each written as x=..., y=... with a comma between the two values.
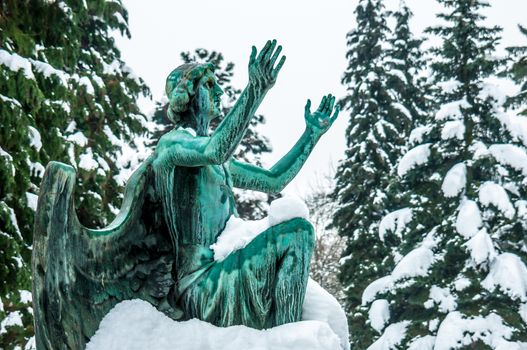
x=414, y=264
x=453, y=129
x=509, y=273
x=414, y=157
x=416, y=136
x=455, y=180
x=376, y=287
x=468, y=219
x=238, y=232
x=319, y=305
x=236, y=235
x=452, y=110
x=457, y=331
x=137, y=325
x=392, y=336
x=287, y=208
x=441, y=297
x=422, y=343
x=492, y=193
x=510, y=155
x=481, y=248
x=379, y=314
x=395, y=221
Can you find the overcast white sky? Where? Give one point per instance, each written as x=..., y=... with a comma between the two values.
x=312, y=33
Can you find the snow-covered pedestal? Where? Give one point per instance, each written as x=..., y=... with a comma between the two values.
x=137, y=325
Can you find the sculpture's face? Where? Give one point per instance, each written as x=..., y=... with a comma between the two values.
x=209, y=95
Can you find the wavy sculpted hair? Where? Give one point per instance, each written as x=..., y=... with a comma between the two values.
x=181, y=86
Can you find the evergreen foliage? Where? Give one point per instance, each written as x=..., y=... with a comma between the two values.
x=460, y=275
x=518, y=72
x=385, y=99
x=65, y=95
x=250, y=205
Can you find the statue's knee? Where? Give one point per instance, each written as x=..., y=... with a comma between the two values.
x=303, y=227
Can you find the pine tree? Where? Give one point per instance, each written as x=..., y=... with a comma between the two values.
x=460, y=278
x=385, y=100
x=65, y=95
x=518, y=72
x=250, y=204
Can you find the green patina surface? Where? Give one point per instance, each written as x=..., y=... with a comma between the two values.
x=175, y=206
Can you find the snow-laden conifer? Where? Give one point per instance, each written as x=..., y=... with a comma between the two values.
x=65, y=95
x=384, y=101
x=460, y=279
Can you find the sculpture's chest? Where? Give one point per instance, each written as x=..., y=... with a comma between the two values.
x=205, y=202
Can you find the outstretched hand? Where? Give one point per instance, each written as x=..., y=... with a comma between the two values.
x=321, y=119
x=262, y=73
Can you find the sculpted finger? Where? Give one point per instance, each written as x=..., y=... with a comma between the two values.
x=265, y=58
x=253, y=55
x=322, y=104
x=307, y=109
x=278, y=67
x=331, y=104
x=275, y=56
x=326, y=106
x=264, y=50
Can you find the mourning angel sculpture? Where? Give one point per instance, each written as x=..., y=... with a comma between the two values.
x=175, y=206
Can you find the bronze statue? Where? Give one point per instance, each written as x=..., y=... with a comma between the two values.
x=175, y=206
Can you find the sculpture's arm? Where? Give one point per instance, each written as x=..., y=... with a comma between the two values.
x=262, y=76
x=251, y=177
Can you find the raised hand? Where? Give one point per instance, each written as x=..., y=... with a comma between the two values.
x=321, y=120
x=262, y=72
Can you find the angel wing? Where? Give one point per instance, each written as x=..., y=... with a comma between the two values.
x=79, y=274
